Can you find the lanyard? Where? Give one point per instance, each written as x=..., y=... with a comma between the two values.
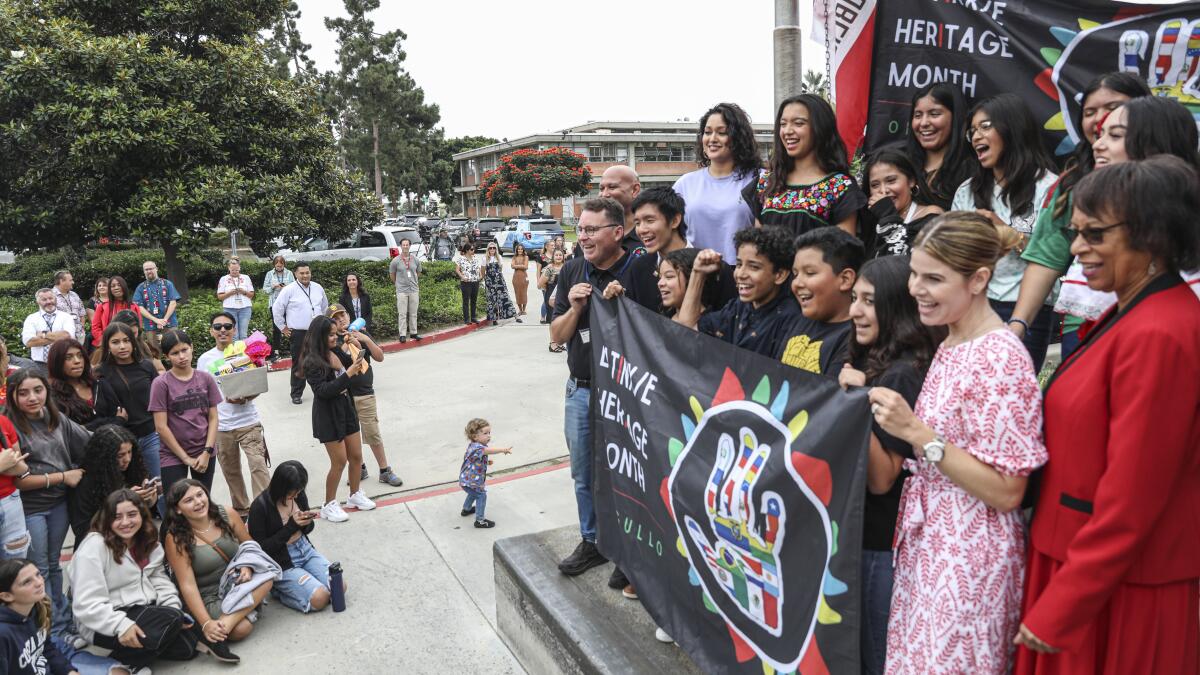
x=308, y=294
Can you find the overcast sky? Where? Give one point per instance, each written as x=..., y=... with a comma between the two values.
x=510, y=69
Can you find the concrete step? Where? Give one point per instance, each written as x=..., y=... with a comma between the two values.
x=559, y=624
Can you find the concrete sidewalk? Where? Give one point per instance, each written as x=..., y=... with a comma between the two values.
x=422, y=597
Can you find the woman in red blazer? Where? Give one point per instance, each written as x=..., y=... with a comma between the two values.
x=1113, y=582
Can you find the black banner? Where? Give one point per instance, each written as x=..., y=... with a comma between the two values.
x=729, y=489
x=1045, y=51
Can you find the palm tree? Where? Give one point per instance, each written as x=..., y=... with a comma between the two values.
x=815, y=82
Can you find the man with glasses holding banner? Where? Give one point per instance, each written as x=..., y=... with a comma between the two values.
x=601, y=230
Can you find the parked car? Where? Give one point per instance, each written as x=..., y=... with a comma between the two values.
x=455, y=226
x=484, y=232
x=531, y=233
x=379, y=243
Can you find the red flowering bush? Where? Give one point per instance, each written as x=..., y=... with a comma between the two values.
x=527, y=176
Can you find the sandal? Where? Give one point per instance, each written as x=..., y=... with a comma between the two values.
x=557, y=348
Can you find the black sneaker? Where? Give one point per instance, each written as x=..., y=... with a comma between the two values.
x=403, y=339
x=417, y=337
x=484, y=524
x=466, y=512
x=617, y=580
x=583, y=558
x=364, y=475
x=218, y=650
x=297, y=400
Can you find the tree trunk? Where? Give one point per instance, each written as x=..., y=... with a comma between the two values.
x=375, y=154
x=175, y=270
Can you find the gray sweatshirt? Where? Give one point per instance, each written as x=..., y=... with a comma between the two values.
x=50, y=452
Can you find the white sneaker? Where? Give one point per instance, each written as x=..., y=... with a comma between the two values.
x=662, y=636
x=360, y=501
x=333, y=513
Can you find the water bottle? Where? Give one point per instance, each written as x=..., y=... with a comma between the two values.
x=337, y=593
x=358, y=324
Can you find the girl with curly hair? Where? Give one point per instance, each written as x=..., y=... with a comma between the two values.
x=109, y=463
x=729, y=161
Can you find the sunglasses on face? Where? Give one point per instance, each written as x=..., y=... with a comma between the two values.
x=1092, y=235
x=222, y=326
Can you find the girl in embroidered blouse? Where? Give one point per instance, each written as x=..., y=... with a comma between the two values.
x=809, y=183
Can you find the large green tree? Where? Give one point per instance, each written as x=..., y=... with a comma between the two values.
x=387, y=129
x=161, y=119
x=444, y=172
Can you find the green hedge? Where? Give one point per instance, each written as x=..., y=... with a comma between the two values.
x=440, y=298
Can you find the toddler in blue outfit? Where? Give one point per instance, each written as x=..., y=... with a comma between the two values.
x=473, y=474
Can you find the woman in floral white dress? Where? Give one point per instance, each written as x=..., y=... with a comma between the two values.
x=976, y=433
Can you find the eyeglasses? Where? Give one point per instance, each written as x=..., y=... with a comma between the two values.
x=591, y=230
x=985, y=125
x=1092, y=235
x=222, y=326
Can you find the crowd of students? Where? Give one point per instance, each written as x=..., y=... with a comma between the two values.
x=1006, y=525
x=105, y=445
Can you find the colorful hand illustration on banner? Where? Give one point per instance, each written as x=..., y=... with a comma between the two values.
x=744, y=559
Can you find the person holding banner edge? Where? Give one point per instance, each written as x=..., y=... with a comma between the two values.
x=600, y=230
x=976, y=435
x=890, y=348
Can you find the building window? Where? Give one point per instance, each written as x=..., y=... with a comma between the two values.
x=607, y=152
x=665, y=152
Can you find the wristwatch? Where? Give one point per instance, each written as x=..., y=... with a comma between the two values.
x=934, y=450
x=211, y=451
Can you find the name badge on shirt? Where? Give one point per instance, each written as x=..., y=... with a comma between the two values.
x=585, y=335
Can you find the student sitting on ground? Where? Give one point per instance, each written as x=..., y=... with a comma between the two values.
x=110, y=462
x=823, y=274
x=123, y=598
x=759, y=317
x=280, y=521
x=200, y=539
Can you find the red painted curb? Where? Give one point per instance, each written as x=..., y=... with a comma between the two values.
x=437, y=492
x=390, y=347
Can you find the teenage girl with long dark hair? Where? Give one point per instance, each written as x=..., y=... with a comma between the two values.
x=1014, y=177
x=889, y=347
x=899, y=201
x=1049, y=250
x=334, y=420
x=809, y=183
x=936, y=145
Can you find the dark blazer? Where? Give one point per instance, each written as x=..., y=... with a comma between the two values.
x=269, y=530
x=364, y=301
x=1120, y=497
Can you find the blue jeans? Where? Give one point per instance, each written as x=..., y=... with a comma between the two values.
x=877, y=576
x=478, y=498
x=577, y=425
x=14, y=538
x=85, y=662
x=242, y=316
x=1037, y=338
x=295, y=589
x=47, y=532
x=150, y=445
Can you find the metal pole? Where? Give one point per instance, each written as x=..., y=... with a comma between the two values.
x=788, y=72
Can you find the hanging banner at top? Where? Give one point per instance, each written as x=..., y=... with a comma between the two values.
x=1045, y=51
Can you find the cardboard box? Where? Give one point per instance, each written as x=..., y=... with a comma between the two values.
x=246, y=383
